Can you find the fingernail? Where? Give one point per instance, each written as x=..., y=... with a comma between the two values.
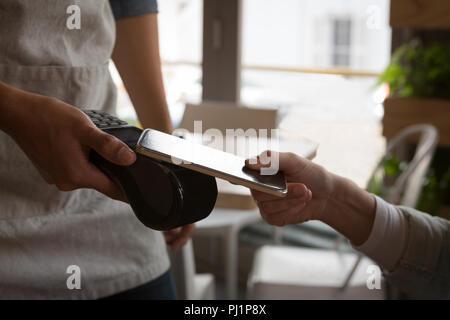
x=310, y=194
x=126, y=155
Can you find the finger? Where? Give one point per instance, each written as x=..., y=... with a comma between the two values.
x=109, y=147
x=292, y=215
x=263, y=160
x=295, y=190
x=170, y=235
x=103, y=184
x=276, y=206
x=183, y=237
x=288, y=162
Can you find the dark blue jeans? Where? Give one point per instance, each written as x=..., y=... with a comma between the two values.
x=161, y=288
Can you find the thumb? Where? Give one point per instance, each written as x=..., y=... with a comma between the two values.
x=261, y=161
x=109, y=147
x=288, y=162
x=264, y=160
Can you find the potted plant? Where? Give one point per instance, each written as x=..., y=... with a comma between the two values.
x=418, y=77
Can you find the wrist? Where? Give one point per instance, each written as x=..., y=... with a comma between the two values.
x=10, y=98
x=15, y=106
x=352, y=210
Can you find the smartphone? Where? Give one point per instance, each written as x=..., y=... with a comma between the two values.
x=207, y=160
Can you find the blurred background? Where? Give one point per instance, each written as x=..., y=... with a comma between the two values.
x=314, y=60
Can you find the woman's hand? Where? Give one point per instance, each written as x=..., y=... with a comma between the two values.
x=316, y=194
x=309, y=188
x=57, y=138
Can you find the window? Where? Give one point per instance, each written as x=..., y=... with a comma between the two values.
x=180, y=29
x=180, y=35
x=341, y=53
x=317, y=62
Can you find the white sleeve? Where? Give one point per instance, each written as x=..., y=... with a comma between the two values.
x=387, y=239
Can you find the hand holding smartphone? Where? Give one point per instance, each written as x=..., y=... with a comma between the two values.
x=207, y=160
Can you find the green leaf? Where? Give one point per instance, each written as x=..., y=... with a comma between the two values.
x=419, y=71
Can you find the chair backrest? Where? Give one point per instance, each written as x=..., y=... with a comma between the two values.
x=224, y=116
x=407, y=187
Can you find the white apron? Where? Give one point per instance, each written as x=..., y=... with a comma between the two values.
x=44, y=231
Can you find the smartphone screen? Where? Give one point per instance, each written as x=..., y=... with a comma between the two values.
x=207, y=160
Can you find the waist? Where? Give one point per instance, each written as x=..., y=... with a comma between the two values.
x=83, y=86
x=52, y=72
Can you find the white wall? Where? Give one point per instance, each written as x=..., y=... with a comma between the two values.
x=299, y=33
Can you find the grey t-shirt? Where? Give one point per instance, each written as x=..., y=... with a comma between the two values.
x=130, y=8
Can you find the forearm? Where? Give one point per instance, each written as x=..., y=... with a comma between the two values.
x=411, y=246
x=423, y=268
x=373, y=226
x=12, y=104
x=387, y=239
x=350, y=210
x=136, y=55
x=5, y=107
